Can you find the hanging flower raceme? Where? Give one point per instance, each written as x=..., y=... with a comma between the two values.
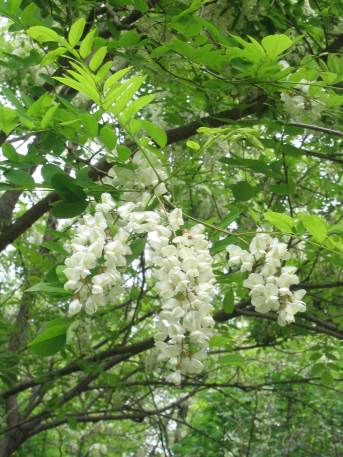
x=95, y=256
x=182, y=268
x=181, y=265
x=143, y=178
x=270, y=283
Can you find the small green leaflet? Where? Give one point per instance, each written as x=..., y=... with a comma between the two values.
x=108, y=137
x=8, y=119
x=232, y=359
x=281, y=221
x=48, y=171
x=275, y=45
x=229, y=300
x=67, y=187
x=98, y=58
x=243, y=191
x=48, y=116
x=86, y=45
x=219, y=341
x=82, y=85
x=76, y=31
x=20, y=178
x=123, y=152
x=51, y=339
x=113, y=79
x=67, y=209
x=193, y=145
x=137, y=247
x=156, y=133
x=52, y=56
x=136, y=105
x=44, y=34
x=49, y=288
x=315, y=226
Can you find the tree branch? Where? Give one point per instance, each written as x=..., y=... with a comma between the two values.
x=25, y=221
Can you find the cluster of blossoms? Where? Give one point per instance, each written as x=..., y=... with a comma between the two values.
x=181, y=267
x=93, y=247
x=301, y=105
x=270, y=282
x=142, y=177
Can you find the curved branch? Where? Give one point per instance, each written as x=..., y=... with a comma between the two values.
x=25, y=221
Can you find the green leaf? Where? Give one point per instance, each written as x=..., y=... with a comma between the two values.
x=67, y=209
x=193, y=145
x=113, y=79
x=8, y=119
x=232, y=359
x=243, y=191
x=252, y=164
x=49, y=288
x=50, y=341
x=156, y=133
x=86, y=44
x=229, y=300
x=118, y=90
x=48, y=171
x=84, y=87
x=10, y=153
x=315, y=226
x=103, y=71
x=281, y=221
x=108, y=137
x=137, y=247
x=31, y=15
x=129, y=39
x=20, y=178
x=336, y=229
x=52, y=56
x=124, y=153
x=275, y=45
x=76, y=31
x=90, y=123
x=13, y=5
x=124, y=93
x=98, y=58
x=219, y=341
x=132, y=109
x=44, y=34
x=48, y=116
x=67, y=187
x=141, y=5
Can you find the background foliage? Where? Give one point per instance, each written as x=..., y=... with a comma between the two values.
x=263, y=82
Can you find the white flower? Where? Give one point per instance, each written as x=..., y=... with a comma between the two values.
x=236, y=253
x=253, y=279
x=174, y=377
x=270, y=283
x=74, y=307
x=175, y=219
x=185, y=282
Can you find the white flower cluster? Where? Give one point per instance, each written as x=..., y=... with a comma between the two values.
x=270, y=282
x=94, y=247
x=140, y=177
x=98, y=449
x=182, y=268
x=302, y=106
x=181, y=265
